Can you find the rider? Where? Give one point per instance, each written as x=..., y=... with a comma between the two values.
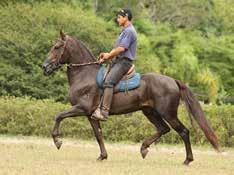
x=122, y=56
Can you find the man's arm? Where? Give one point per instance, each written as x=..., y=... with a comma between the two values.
x=122, y=45
x=114, y=52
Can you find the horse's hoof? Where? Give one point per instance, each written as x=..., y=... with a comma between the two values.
x=101, y=158
x=58, y=144
x=187, y=161
x=144, y=152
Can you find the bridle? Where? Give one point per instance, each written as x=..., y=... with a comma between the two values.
x=73, y=64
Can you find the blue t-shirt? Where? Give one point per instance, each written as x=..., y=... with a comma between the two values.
x=128, y=40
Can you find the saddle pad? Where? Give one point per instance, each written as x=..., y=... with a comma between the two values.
x=123, y=85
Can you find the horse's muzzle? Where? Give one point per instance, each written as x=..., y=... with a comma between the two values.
x=49, y=67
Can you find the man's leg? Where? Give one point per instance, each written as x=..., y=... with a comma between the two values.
x=103, y=112
x=114, y=76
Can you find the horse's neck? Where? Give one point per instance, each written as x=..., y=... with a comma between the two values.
x=82, y=74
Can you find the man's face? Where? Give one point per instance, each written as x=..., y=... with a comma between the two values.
x=122, y=20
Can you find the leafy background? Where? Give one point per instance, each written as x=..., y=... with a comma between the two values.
x=190, y=40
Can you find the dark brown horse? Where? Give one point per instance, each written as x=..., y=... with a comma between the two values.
x=157, y=97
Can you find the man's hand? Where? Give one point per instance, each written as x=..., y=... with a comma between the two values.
x=103, y=57
x=114, y=52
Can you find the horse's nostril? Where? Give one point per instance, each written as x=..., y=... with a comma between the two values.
x=44, y=65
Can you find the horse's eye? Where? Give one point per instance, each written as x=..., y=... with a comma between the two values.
x=56, y=47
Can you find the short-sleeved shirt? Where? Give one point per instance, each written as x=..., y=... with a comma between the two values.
x=128, y=40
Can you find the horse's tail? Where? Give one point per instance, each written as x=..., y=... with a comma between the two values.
x=194, y=108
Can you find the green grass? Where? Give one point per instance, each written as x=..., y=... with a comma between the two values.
x=34, y=155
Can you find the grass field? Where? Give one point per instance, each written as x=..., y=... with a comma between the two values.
x=32, y=156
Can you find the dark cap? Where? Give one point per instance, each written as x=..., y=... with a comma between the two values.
x=125, y=12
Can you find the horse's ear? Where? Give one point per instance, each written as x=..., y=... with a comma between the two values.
x=62, y=35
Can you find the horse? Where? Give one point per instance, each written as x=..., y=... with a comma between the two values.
x=158, y=97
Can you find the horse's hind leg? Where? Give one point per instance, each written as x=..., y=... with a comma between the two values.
x=184, y=134
x=73, y=112
x=162, y=128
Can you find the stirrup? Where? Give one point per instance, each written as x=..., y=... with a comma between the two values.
x=97, y=115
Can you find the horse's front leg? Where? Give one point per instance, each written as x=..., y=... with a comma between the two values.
x=98, y=134
x=73, y=112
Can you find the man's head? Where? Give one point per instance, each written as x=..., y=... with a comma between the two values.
x=124, y=16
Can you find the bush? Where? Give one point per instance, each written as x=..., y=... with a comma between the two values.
x=27, y=28
x=26, y=37
x=27, y=116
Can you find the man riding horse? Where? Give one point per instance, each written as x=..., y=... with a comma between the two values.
x=122, y=56
x=157, y=96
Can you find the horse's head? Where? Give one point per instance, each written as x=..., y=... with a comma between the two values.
x=57, y=56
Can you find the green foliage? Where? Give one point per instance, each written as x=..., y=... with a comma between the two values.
x=146, y=60
x=224, y=12
x=182, y=39
x=186, y=54
x=210, y=80
x=27, y=116
x=181, y=13
x=185, y=63
x=26, y=34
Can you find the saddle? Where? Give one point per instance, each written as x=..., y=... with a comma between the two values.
x=130, y=81
x=131, y=72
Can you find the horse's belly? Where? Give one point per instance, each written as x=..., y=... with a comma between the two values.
x=124, y=103
x=128, y=102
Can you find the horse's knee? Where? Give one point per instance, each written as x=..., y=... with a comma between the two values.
x=165, y=130
x=185, y=133
x=58, y=118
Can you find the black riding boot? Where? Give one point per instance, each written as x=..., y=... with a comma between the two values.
x=102, y=112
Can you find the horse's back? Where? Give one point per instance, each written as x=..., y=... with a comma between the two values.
x=161, y=83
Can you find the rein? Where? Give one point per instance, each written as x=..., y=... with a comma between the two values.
x=82, y=64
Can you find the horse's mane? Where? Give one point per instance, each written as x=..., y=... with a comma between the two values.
x=82, y=45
